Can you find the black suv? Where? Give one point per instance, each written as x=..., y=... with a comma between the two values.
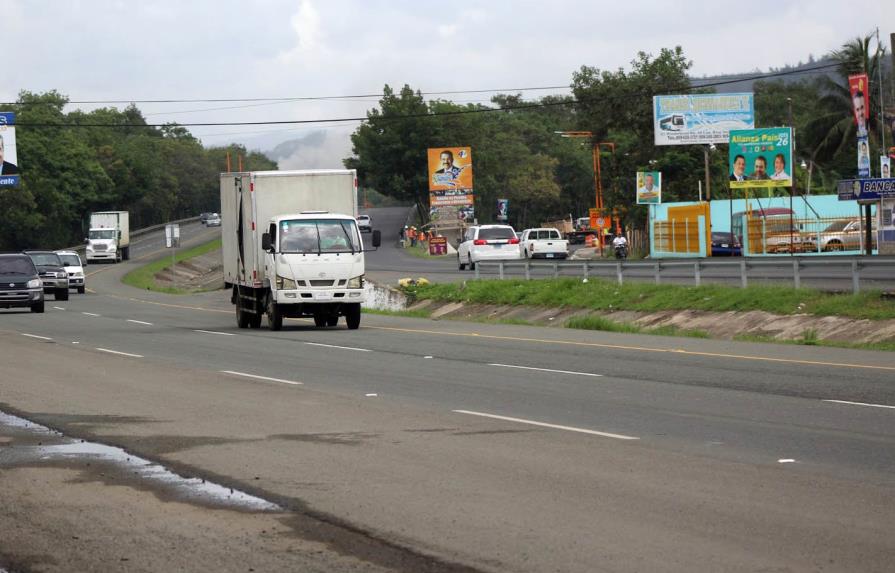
x=20, y=285
x=52, y=273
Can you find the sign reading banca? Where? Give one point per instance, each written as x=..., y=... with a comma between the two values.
x=701, y=118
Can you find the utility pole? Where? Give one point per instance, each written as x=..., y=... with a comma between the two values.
x=708, y=184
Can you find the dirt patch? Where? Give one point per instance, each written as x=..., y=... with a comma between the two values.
x=723, y=325
x=204, y=272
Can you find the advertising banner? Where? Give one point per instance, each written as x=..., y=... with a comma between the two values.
x=885, y=167
x=438, y=246
x=503, y=209
x=863, y=157
x=866, y=190
x=451, y=195
x=860, y=99
x=649, y=187
x=9, y=168
x=450, y=168
x=760, y=158
x=701, y=118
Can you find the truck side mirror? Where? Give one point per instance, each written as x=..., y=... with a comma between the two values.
x=265, y=242
x=377, y=238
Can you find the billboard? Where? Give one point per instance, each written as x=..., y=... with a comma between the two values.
x=885, y=167
x=870, y=190
x=701, y=118
x=503, y=209
x=863, y=157
x=860, y=99
x=760, y=158
x=451, y=195
x=9, y=165
x=649, y=187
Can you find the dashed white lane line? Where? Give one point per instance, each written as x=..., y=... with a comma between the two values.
x=58, y=308
x=371, y=395
x=786, y=461
x=548, y=370
x=860, y=404
x=120, y=353
x=256, y=377
x=37, y=337
x=89, y=314
x=214, y=332
x=140, y=322
x=545, y=425
x=340, y=347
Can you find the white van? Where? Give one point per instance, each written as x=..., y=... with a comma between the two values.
x=74, y=266
x=488, y=243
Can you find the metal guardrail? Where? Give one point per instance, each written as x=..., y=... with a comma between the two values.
x=796, y=269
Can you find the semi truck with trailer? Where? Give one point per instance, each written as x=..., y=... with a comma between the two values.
x=108, y=237
x=292, y=247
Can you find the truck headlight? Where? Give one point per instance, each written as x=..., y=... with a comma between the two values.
x=33, y=283
x=286, y=284
x=356, y=282
x=89, y=247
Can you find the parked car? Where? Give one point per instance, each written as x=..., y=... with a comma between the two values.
x=543, y=243
x=844, y=235
x=213, y=220
x=365, y=223
x=75, y=269
x=488, y=243
x=725, y=244
x=52, y=273
x=20, y=284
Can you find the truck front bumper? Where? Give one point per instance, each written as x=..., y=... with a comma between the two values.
x=317, y=296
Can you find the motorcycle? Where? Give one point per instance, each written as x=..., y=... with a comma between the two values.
x=621, y=252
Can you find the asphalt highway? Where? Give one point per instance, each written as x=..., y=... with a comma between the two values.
x=414, y=445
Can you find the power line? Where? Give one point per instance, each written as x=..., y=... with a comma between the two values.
x=468, y=111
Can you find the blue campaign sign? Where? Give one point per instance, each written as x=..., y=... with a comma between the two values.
x=9, y=169
x=866, y=189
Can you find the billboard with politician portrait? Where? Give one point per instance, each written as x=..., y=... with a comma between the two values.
x=860, y=100
x=451, y=195
x=760, y=158
x=9, y=164
x=649, y=187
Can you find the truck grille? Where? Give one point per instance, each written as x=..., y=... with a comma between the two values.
x=320, y=283
x=100, y=248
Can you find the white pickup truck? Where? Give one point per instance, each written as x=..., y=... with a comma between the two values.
x=543, y=243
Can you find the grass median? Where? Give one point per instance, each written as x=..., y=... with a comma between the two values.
x=602, y=295
x=144, y=277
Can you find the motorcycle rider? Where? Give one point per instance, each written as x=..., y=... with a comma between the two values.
x=620, y=246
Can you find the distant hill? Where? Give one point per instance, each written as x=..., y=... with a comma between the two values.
x=744, y=83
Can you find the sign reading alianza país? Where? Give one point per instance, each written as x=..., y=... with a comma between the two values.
x=9, y=167
x=701, y=118
x=760, y=158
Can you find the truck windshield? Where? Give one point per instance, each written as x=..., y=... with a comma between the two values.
x=103, y=234
x=319, y=236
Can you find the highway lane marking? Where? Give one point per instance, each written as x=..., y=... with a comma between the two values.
x=58, y=308
x=860, y=404
x=90, y=314
x=120, y=353
x=546, y=425
x=140, y=322
x=213, y=332
x=548, y=370
x=565, y=342
x=786, y=461
x=636, y=348
x=255, y=376
x=37, y=337
x=341, y=347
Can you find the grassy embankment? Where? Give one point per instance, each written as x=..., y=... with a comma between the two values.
x=601, y=296
x=144, y=277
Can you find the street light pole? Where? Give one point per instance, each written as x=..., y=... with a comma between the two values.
x=708, y=184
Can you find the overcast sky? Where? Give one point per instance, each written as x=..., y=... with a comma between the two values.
x=160, y=49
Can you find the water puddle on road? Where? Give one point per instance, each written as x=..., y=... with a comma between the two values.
x=54, y=447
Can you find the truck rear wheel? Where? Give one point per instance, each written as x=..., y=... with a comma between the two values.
x=332, y=320
x=274, y=316
x=319, y=319
x=352, y=316
x=242, y=317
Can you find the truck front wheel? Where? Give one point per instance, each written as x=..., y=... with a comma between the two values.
x=352, y=316
x=274, y=316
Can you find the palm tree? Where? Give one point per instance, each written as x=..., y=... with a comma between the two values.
x=834, y=130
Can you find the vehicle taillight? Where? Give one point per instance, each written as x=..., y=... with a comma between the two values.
x=514, y=241
x=480, y=242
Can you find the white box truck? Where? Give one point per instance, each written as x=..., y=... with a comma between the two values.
x=291, y=246
x=108, y=237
